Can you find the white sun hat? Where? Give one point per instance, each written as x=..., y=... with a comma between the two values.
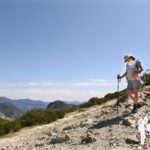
x=127, y=56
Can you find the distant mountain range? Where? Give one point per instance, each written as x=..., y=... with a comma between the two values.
x=10, y=111
x=25, y=104
x=75, y=102
x=60, y=105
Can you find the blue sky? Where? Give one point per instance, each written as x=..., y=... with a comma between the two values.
x=69, y=49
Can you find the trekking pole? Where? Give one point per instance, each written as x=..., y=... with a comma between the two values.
x=118, y=92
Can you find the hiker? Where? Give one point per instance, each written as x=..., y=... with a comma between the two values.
x=133, y=68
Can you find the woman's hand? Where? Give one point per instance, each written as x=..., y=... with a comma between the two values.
x=118, y=76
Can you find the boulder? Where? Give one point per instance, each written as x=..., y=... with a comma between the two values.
x=89, y=131
x=128, y=105
x=132, y=140
x=39, y=144
x=145, y=99
x=87, y=122
x=70, y=127
x=50, y=134
x=141, y=95
x=142, y=103
x=88, y=139
x=129, y=121
x=31, y=147
x=139, y=148
x=60, y=139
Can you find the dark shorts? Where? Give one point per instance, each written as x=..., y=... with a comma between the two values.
x=133, y=84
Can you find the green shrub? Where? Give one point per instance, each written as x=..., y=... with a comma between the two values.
x=2, y=124
x=30, y=118
x=60, y=114
x=7, y=127
x=94, y=100
x=85, y=105
x=40, y=116
x=146, y=78
x=123, y=95
x=111, y=95
x=15, y=125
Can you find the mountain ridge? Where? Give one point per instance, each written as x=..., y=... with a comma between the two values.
x=25, y=104
x=10, y=110
x=61, y=105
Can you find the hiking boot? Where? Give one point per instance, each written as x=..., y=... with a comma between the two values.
x=135, y=107
x=139, y=105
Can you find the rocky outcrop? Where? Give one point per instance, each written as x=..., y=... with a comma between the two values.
x=4, y=117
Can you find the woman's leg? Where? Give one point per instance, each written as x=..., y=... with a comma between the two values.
x=136, y=87
x=130, y=90
x=136, y=96
x=133, y=87
x=130, y=95
x=133, y=95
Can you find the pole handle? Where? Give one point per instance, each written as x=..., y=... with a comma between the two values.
x=119, y=79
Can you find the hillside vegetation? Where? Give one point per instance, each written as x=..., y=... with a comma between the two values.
x=98, y=101
x=30, y=118
x=146, y=79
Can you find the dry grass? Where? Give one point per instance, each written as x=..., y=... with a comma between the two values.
x=22, y=130
x=9, y=135
x=110, y=103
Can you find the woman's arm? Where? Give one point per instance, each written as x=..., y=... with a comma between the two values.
x=138, y=71
x=141, y=69
x=119, y=77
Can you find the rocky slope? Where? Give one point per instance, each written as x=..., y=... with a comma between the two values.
x=4, y=117
x=96, y=128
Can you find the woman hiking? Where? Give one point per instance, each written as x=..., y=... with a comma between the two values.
x=133, y=68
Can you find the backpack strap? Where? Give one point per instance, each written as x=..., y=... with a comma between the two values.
x=137, y=64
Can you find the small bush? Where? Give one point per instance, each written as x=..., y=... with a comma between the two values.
x=3, y=122
x=15, y=125
x=122, y=96
x=94, y=100
x=112, y=95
